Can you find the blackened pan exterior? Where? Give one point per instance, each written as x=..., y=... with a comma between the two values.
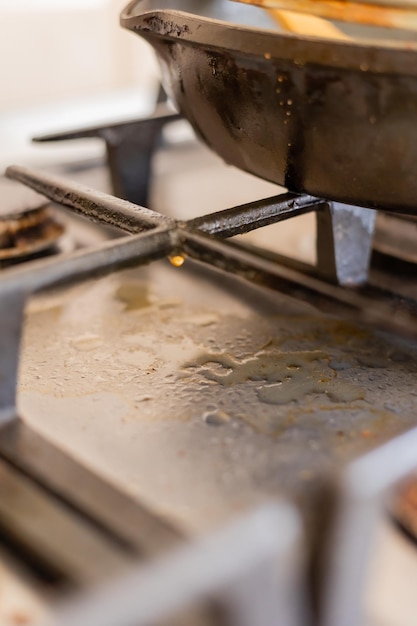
x=335, y=120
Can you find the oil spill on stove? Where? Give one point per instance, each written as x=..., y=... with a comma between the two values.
x=285, y=376
x=167, y=382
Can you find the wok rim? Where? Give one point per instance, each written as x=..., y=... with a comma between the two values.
x=364, y=56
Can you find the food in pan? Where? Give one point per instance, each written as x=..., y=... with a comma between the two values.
x=383, y=13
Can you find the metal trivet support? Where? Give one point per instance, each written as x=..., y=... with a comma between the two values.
x=130, y=147
x=253, y=568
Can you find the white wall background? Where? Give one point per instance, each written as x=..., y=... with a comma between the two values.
x=51, y=50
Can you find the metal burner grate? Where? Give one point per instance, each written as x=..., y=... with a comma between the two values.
x=155, y=236
x=254, y=569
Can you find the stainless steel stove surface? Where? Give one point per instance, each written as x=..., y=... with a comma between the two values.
x=206, y=398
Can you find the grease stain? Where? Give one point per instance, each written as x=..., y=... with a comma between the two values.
x=285, y=376
x=135, y=296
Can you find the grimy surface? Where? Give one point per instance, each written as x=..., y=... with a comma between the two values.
x=127, y=375
x=202, y=395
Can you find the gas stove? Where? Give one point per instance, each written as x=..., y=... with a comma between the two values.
x=214, y=439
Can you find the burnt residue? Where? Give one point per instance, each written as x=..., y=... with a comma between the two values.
x=297, y=122
x=235, y=123
x=163, y=27
x=225, y=70
x=28, y=233
x=318, y=81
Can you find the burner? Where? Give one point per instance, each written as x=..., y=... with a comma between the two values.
x=27, y=225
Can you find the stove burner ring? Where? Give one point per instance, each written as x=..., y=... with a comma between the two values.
x=30, y=233
x=27, y=225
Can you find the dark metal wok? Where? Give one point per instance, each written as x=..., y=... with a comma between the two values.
x=337, y=120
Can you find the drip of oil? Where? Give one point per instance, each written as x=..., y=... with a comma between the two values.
x=87, y=342
x=285, y=376
x=133, y=295
x=177, y=260
x=216, y=418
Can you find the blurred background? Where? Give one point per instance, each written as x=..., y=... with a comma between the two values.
x=67, y=62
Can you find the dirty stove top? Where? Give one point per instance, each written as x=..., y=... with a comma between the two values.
x=199, y=394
